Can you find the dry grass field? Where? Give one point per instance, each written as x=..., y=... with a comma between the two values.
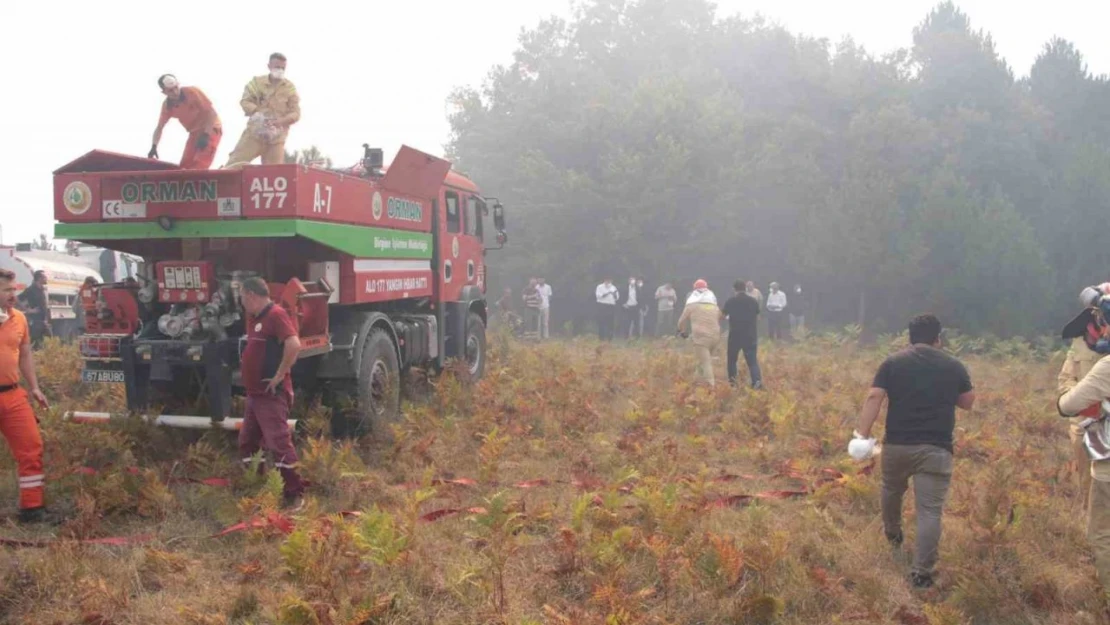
x=576, y=483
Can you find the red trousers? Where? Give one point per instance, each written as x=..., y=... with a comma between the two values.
x=197, y=158
x=265, y=427
x=21, y=430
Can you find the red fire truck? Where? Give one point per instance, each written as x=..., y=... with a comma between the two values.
x=382, y=270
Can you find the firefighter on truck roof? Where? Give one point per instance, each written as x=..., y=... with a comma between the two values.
x=18, y=423
x=272, y=105
x=195, y=112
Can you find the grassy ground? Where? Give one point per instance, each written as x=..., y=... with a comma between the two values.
x=576, y=484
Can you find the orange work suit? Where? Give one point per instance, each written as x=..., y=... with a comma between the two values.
x=198, y=116
x=17, y=419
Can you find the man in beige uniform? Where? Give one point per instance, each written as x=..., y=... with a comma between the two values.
x=1078, y=362
x=1090, y=391
x=704, y=318
x=272, y=104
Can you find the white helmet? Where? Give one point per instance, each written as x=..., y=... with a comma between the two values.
x=1089, y=296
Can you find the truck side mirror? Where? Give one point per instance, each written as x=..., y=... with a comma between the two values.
x=499, y=217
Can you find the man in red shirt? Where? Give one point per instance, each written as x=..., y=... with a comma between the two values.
x=271, y=351
x=17, y=419
x=196, y=113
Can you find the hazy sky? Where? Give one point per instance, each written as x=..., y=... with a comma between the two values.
x=82, y=75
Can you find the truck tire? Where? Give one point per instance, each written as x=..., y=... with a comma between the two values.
x=379, y=388
x=474, y=349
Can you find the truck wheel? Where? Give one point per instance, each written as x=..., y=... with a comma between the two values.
x=475, y=349
x=379, y=387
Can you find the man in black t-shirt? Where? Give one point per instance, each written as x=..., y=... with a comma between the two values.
x=923, y=386
x=36, y=306
x=742, y=311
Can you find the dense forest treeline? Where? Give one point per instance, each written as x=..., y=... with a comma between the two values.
x=652, y=137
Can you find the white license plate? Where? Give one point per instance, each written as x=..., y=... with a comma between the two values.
x=101, y=375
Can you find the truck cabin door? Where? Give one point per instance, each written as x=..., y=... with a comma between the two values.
x=460, y=246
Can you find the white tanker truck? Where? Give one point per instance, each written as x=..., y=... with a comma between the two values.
x=65, y=272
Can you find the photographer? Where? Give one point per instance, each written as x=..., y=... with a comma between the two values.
x=1086, y=399
x=1083, y=331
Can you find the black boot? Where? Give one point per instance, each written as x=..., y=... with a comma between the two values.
x=32, y=515
x=921, y=581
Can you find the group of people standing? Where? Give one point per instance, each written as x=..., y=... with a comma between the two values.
x=536, y=324
x=624, y=313
x=780, y=309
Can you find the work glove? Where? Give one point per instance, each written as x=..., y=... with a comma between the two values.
x=861, y=448
x=202, y=141
x=153, y=153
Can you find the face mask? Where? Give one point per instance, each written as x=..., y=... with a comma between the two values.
x=3, y=315
x=277, y=74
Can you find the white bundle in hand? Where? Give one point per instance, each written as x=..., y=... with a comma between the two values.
x=861, y=448
x=262, y=127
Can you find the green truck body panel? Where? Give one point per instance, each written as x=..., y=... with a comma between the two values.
x=358, y=241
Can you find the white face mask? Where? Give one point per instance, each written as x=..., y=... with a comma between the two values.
x=277, y=74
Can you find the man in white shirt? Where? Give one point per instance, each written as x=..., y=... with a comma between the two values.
x=631, y=309
x=607, y=296
x=776, y=311
x=545, y=308
x=665, y=297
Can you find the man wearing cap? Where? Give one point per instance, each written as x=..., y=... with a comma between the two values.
x=18, y=423
x=272, y=105
x=703, y=318
x=271, y=351
x=193, y=109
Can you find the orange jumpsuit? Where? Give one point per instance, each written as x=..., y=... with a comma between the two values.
x=17, y=419
x=194, y=111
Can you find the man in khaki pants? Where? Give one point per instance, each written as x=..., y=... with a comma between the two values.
x=924, y=387
x=272, y=105
x=1085, y=398
x=704, y=319
x=1081, y=357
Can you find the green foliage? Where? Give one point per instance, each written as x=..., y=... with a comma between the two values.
x=656, y=137
x=380, y=538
